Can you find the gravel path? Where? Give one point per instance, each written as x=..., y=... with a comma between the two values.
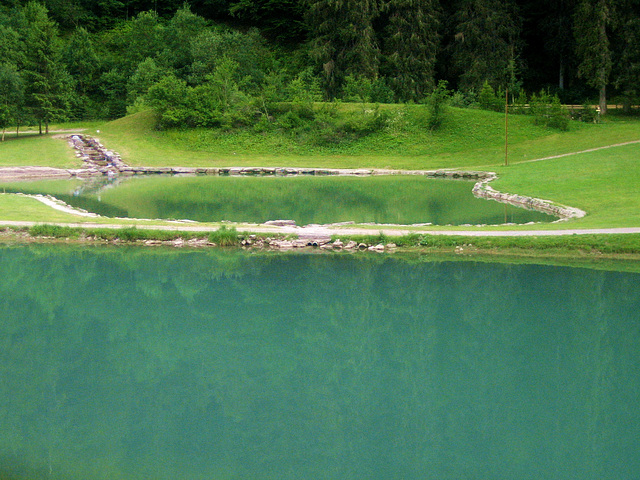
x=320, y=231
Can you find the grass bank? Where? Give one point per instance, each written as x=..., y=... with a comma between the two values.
x=37, y=150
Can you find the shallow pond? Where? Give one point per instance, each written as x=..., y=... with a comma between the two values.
x=155, y=364
x=321, y=200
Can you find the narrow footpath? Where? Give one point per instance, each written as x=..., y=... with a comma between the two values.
x=322, y=231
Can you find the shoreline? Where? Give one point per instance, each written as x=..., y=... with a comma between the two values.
x=585, y=247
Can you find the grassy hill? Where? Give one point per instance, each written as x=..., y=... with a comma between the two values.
x=468, y=138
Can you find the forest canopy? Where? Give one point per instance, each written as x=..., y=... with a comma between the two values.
x=216, y=62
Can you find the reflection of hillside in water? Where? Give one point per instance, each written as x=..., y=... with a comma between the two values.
x=130, y=363
x=307, y=200
x=320, y=200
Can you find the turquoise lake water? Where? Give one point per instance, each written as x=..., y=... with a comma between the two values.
x=160, y=364
x=305, y=199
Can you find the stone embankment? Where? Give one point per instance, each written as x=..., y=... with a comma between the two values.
x=97, y=159
x=482, y=190
x=315, y=242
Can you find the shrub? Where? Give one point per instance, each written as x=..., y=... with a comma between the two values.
x=436, y=104
x=53, y=231
x=519, y=106
x=547, y=110
x=589, y=114
x=488, y=99
x=225, y=237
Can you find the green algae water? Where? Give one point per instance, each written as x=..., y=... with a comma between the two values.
x=305, y=199
x=158, y=364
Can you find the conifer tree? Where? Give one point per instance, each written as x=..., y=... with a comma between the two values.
x=343, y=39
x=627, y=49
x=592, y=22
x=411, y=46
x=557, y=26
x=81, y=59
x=486, y=41
x=11, y=95
x=47, y=82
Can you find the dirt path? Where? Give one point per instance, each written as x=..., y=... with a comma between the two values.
x=580, y=152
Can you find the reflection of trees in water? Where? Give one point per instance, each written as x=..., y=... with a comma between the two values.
x=167, y=363
x=96, y=185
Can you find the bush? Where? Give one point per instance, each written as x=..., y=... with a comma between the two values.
x=225, y=237
x=463, y=99
x=53, y=231
x=488, y=99
x=547, y=110
x=588, y=114
x=519, y=106
x=436, y=104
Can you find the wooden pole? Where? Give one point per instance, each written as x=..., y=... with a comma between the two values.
x=506, y=127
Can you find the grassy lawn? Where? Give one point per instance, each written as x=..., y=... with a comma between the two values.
x=603, y=183
x=17, y=208
x=33, y=149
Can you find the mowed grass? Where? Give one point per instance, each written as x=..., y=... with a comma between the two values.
x=41, y=150
x=17, y=208
x=604, y=183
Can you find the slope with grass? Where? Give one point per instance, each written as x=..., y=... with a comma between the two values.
x=604, y=183
x=468, y=139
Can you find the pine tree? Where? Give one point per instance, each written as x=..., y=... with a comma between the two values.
x=627, y=49
x=81, y=59
x=343, y=39
x=47, y=82
x=11, y=95
x=592, y=22
x=411, y=46
x=557, y=26
x=486, y=42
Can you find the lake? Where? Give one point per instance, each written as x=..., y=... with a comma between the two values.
x=305, y=199
x=132, y=363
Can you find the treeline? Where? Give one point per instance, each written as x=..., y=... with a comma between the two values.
x=210, y=62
